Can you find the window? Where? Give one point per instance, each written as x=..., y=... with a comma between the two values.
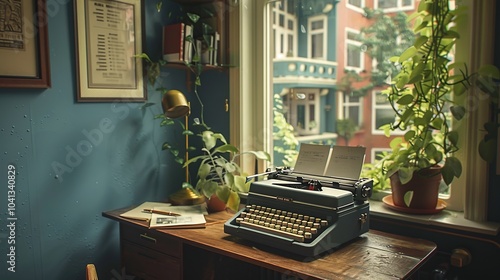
x=356, y=5
x=285, y=29
x=351, y=108
x=394, y=5
x=304, y=115
x=382, y=112
x=252, y=122
x=317, y=37
x=354, y=56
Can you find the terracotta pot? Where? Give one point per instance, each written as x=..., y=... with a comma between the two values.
x=214, y=204
x=425, y=187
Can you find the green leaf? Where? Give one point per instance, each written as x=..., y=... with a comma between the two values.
x=407, y=198
x=405, y=174
x=458, y=112
x=489, y=71
x=174, y=151
x=487, y=149
x=394, y=59
x=240, y=183
x=430, y=150
x=409, y=135
x=193, y=17
x=455, y=165
x=459, y=89
x=179, y=160
x=208, y=139
x=233, y=201
x=417, y=73
x=226, y=148
x=453, y=137
x=166, y=146
x=409, y=53
x=167, y=121
x=451, y=34
x=486, y=85
x=395, y=143
x=420, y=41
x=158, y=6
x=437, y=123
x=405, y=99
x=204, y=170
x=260, y=155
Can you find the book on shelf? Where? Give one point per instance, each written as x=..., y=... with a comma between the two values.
x=218, y=28
x=176, y=48
x=158, y=214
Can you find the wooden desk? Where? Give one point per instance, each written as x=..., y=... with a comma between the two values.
x=212, y=254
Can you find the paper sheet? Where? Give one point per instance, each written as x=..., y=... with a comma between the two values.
x=312, y=159
x=346, y=162
x=324, y=160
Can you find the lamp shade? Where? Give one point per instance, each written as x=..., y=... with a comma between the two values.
x=174, y=104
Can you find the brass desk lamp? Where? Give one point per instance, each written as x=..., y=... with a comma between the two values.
x=175, y=105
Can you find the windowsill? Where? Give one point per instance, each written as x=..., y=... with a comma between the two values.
x=446, y=219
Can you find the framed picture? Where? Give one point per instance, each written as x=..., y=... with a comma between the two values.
x=108, y=37
x=24, y=51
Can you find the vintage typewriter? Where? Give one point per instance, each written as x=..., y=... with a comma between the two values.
x=303, y=215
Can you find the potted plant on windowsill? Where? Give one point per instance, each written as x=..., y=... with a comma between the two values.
x=422, y=97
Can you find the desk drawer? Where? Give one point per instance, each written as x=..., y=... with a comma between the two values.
x=152, y=239
x=148, y=264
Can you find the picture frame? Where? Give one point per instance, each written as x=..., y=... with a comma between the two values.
x=24, y=43
x=109, y=35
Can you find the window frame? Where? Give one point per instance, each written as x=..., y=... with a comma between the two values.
x=306, y=103
x=323, y=31
x=399, y=6
x=345, y=105
x=284, y=31
x=356, y=8
x=376, y=131
x=354, y=43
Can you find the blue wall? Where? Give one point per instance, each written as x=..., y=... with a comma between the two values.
x=59, y=227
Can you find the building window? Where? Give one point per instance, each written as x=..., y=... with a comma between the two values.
x=317, y=37
x=356, y=5
x=284, y=29
x=382, y=112
x=354, y=55
x=304, y=110
x=351, y=108
x=394, y=5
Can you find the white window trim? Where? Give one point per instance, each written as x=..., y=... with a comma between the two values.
x=399, y=7
x=343, y=105
x=310, y=33
x=306, y=102
x=356, y=8
x=249, y=111
x=356, y=43
x=285, y=32
x=376, y=131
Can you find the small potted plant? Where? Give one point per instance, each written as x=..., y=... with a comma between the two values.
x=219, y=175
x=421, y=95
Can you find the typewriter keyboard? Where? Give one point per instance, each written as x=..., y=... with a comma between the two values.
x=296, y=226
